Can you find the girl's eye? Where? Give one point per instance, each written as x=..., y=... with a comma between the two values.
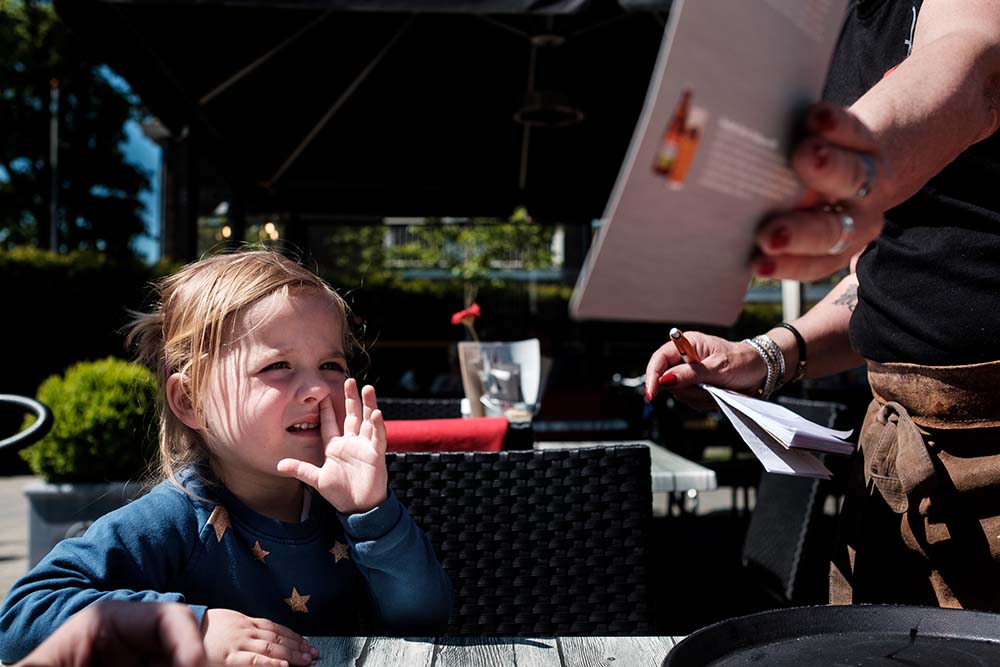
x=333, y=366
x=277, y=365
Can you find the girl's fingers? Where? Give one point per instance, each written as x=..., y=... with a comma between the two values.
x=276, y=651
x=250, y=659
x=328, y=426
x=270, y=631
x=368, y=399
x=303, y=471
x=378, y=432
x=354, y=411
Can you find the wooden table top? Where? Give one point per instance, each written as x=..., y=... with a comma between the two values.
x=492, y=651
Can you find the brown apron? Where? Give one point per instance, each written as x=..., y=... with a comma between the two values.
x=921, y=518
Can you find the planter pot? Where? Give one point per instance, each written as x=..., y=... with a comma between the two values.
x=58, y=511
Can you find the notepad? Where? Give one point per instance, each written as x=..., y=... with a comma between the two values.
x=783, y=441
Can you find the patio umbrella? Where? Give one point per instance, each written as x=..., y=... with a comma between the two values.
x=392, y=109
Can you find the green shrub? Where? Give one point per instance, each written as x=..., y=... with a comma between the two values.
x=103, y=423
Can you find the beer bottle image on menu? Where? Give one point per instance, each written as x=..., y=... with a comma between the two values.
x=685, y=155
x=674, y=135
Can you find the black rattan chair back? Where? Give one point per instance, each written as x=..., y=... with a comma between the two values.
x=789, y=539
x=537, y=543
x=420, y=408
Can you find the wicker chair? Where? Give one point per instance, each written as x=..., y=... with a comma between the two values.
x=789, y=540
x=420, y=408
x=537, y=543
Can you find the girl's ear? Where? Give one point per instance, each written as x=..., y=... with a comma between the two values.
x=180, y=402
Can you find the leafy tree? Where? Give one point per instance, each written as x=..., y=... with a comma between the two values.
x=99, y=206
x=474, y=251
x=355, y=256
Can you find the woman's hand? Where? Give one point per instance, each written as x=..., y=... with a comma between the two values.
x=232, y=638
x=840, y=163
x=723, y=363
x=353, y=477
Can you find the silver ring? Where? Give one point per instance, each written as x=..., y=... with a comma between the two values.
x=870, y=173
x=846, y=232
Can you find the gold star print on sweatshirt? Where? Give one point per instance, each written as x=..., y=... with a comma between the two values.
x=258, y=552
x=298, y=602
x=219, y=521
x=340, y=551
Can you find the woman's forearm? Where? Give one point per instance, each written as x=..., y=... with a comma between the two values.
x=824, y=328
x=940, y=100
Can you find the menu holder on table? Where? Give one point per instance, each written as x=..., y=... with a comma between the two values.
x=502, y=378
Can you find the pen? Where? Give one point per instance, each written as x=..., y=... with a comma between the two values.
x=684, y=346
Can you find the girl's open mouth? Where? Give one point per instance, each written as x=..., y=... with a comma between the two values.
x=304, y=427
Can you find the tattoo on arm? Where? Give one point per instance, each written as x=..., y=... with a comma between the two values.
x=849, y=298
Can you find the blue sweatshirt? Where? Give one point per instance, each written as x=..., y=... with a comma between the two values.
x=321, y=576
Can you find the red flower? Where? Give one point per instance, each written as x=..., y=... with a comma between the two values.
x=466, y=316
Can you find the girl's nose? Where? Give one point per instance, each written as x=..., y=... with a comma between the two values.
x=313, y=389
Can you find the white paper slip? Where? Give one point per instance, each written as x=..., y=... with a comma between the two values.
x=769, y=452
x=786, y=427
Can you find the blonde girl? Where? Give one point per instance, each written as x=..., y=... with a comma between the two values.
x=274, y=519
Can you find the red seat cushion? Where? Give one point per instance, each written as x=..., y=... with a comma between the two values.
x=477, y=434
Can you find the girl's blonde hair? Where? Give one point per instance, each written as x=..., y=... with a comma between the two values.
x=194, y=316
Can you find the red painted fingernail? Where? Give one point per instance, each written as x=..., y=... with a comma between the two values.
x=779, y=239
x=765, y=268
x=648, y=397
x=821, y=155
x=667, y=379
x=824, y=120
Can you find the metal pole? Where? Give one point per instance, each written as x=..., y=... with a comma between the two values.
x=792, y=299
x=54, y=165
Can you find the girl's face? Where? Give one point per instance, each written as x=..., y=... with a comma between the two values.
x=262, y=400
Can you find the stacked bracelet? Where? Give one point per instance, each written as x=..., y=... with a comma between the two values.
x=800, y=342
x=773, y=359
x=764, y=390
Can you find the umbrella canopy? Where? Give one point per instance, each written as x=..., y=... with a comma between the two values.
x=392, y=109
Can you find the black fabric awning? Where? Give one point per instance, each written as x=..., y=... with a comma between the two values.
x=363, y=109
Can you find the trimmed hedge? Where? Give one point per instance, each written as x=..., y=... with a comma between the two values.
x=104, y=426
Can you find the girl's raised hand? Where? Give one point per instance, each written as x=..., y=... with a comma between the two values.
x=232, y=638
x=353, y=477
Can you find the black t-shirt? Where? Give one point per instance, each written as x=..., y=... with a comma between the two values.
x=930, y=284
